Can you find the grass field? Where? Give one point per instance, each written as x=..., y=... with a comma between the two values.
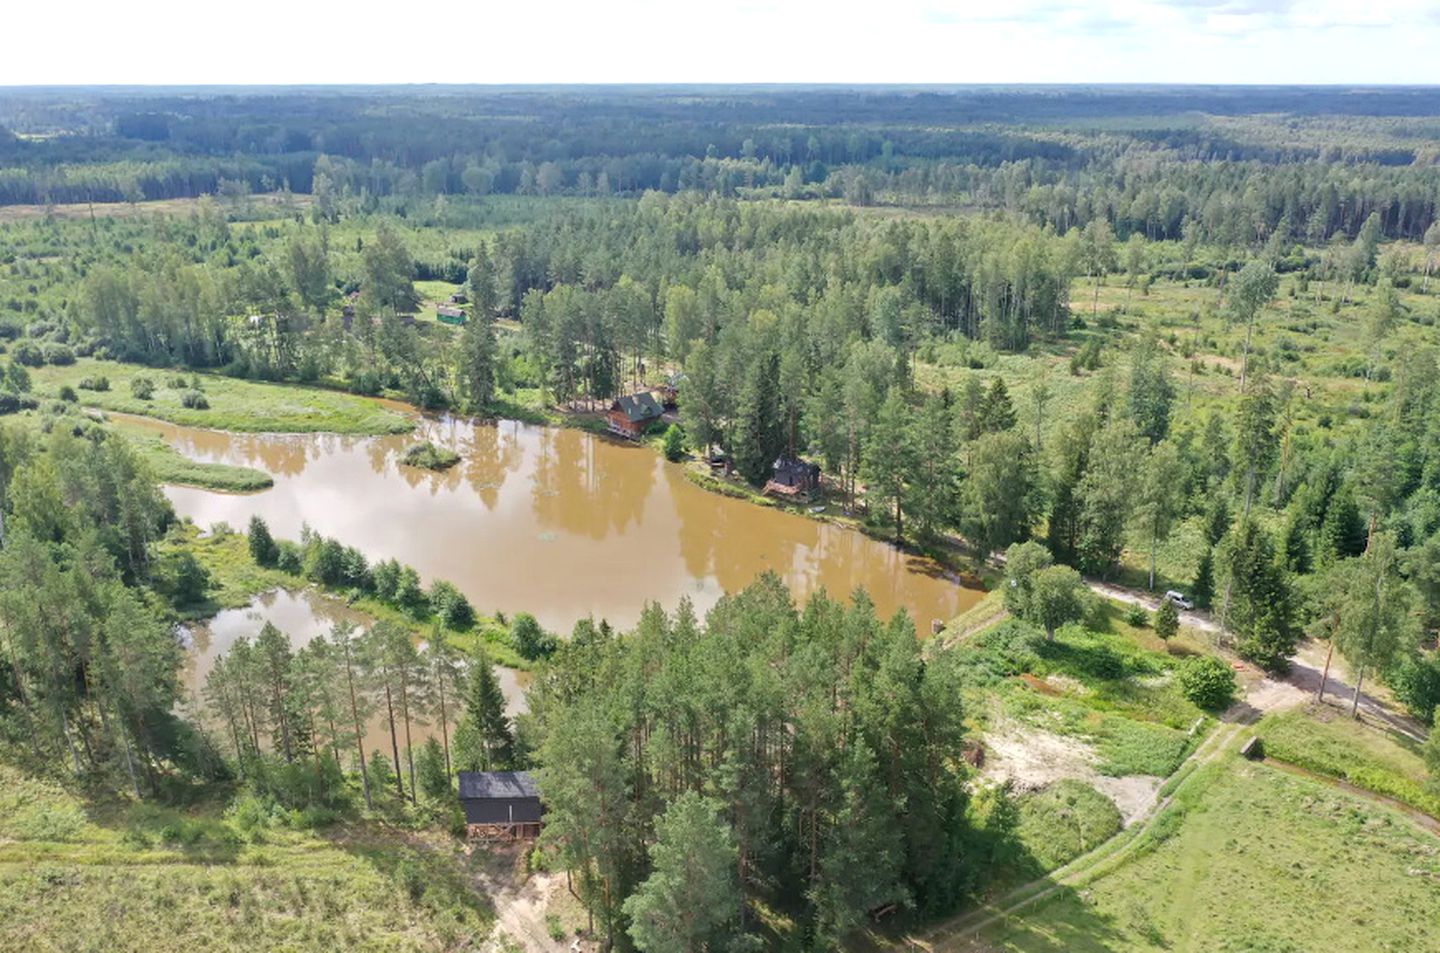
x=111, y=875
x=239, y=405
x=1326, y=741
x=171, y=466
x=1252, y=859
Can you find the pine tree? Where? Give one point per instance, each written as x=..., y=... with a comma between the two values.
x=689, y=901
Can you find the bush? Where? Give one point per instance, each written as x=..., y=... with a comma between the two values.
x=529, y=639
x=142, y=387
x=29, y=354
x=58, y=354
x=1167, y=620
x=1416, y=682
x=427, y=456
x=1208, y=682
x=183, y=578
x=194, y=400
x=1136, y=616
x=450, y=605
x=67, y=393
x=263, y=548
x=290, y=558
x=178, y=382
x=101, y=383
x=674, y=444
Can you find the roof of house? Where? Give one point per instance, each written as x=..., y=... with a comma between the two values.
x=789, y=465
x=450, y=312
x=638, y=407
x=497, y=785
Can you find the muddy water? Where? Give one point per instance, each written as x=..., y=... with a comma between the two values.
x=303, y=615
x=552, y=521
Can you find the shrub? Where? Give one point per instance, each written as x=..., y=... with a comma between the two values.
x=58, y=354
x=1416, y=682
x=1167, y=620
x=178, y=382
x=674, y=444
x=290, y=558
x=101, y=383
x=1136, y=616
x=450, y=605
x=1208, y=682
x=530, y=640
x=263, y=548
x=142, y=387
x=29, y=354
x=67, y=393
x=427, y=456
x=194, y=400
x=183, y=578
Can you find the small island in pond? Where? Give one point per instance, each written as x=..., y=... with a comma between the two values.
x=427, y=456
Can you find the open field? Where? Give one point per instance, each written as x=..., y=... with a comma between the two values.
x=253, y=205
x=240, y=405
x=1251, y=858
x=112, y=875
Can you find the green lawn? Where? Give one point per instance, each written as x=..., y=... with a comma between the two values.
x=239, y=405
x=1254, y=859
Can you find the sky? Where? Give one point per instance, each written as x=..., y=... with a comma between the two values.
x=754, y=41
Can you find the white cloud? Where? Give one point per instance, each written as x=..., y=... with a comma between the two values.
x=926, y=41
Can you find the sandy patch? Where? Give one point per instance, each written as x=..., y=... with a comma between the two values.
x=1031, y=759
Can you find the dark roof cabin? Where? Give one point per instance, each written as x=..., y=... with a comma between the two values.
x=448, y=314
x=794, y=478
x=631, y=414
x=501, y=805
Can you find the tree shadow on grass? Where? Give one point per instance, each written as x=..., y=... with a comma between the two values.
x=1061, y=923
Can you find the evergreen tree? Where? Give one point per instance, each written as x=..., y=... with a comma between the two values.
x=888, y=461
x=689, y=901
x=759, y=436
x=263, y=549
x=484, y=741
x=1258, y=608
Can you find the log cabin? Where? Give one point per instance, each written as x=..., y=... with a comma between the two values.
x=632, y=414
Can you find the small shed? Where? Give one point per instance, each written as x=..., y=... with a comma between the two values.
x=449, y=314
x=793, y=478
x=501, y=805
x=630, y=415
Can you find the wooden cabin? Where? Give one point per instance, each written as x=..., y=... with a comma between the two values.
x=449, y=314
x=459, y=298
x=630, y=416
x=794, y=478
x=501, y=805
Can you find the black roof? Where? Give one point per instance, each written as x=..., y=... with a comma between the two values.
x=492, y=785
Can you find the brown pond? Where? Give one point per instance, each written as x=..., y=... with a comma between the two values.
x=552, y=521
x=302, y=615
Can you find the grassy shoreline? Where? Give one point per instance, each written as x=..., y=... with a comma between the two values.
x=238, y=580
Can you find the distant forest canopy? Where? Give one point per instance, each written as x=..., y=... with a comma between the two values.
x=1242, y=163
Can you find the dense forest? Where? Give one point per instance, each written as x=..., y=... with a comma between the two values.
x=1136, y=335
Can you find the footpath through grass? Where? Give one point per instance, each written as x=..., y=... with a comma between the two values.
x=1252, y=858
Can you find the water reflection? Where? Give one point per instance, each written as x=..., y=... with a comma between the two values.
x=303, y=615
x=556, y=522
